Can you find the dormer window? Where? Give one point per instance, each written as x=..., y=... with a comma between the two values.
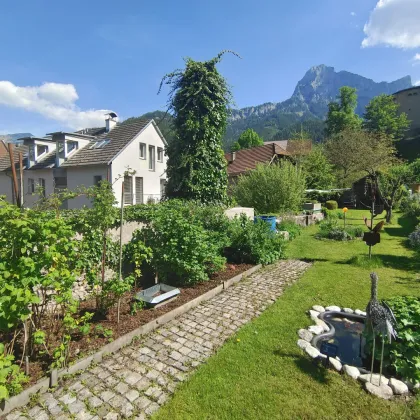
x=40, y=150
x=71, y=146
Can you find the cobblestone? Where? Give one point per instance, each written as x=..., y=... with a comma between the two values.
x=137, y=380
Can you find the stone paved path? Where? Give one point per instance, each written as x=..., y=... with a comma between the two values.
x=137, y=380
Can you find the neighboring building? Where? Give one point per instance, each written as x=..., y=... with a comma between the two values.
x=409, y=101
x=84, y=158
x=246, y=160
x=3, y=148
x=293, y=147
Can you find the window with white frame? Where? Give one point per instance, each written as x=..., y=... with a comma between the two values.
x=72, y=145
x=152, y=158
x=40, y=150
x=31, y=185
x=160, y=154
x=142, y=150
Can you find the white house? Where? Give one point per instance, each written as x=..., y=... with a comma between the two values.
x=84, y=158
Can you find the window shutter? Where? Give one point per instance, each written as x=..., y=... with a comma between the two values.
x=128, y=190
x=139, y=190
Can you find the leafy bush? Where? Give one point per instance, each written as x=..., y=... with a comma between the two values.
x=330, y=229
x=254, y=243
x=272, y=188
x=11, y=377
x=403, y=353
x=293, y=228
x=410, y=206
x=414, y=238
x=331, y=205
x=322, y=197
x=183, y=250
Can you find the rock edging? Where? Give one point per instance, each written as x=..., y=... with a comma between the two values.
x=386, y=389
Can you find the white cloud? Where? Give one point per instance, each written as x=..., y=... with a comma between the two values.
x=394, y=23
x=417, y=83
x=55, y=101
x=417, y=57
x=353, y=13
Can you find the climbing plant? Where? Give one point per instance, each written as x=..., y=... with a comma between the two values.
x=199, y=99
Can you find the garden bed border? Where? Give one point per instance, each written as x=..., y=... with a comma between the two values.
x=45, y=383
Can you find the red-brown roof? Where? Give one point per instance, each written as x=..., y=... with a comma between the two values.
x=247, y=159
x=3, y=148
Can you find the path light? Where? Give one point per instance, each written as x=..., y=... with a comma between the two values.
x=345, y=210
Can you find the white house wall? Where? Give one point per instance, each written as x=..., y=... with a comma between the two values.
x=130, y=157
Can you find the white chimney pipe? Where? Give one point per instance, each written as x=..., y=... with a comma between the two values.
x=110, y=121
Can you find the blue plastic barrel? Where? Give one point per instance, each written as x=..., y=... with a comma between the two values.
x=271, y=220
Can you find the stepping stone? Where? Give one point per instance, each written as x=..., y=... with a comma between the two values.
x=303, y=344
x=398, y=387
x=383, y=391
x=351, y=371
x=305, y=335
x=322, y=324
x=333, y=308
x=336, y=364
x=316, y=329
x=313, y=314
x=312, y=351
x=375, y=379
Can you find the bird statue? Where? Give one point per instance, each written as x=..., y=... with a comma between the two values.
x=375, y=229
x=381, y=320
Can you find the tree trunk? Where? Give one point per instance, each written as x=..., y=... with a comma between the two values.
x=388, y=216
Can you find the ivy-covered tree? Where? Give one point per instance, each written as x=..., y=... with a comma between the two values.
x=249, y=138
x=342, y=114
x=199, y=100
x=382, y=116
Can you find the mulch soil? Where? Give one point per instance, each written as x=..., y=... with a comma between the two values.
x=84, y=345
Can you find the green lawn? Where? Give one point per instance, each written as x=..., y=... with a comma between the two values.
x=265, y=375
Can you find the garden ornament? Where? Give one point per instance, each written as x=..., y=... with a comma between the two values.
x=380, y=320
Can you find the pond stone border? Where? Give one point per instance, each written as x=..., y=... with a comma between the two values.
x=389, y=386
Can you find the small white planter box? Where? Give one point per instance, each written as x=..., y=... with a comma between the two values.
x=314, y=207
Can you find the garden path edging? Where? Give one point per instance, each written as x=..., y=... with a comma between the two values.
x=45, y=383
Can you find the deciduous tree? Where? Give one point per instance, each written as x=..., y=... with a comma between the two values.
x=249, y=138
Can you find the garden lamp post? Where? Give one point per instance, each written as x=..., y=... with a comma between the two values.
x=345, y=210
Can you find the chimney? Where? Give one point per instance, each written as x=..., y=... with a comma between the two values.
x=110, y=121
x=232, y=156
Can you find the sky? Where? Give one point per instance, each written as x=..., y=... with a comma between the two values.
x=63, y=65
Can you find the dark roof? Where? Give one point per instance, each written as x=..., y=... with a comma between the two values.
x=119, y=137
x=95, y=131
x=248, y=159
x=47, y=162
x=5, y=160
x=406, y=90
x=293, y=146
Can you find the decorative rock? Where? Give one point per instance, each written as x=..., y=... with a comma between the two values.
x=383, y=391
x=333, y=308
x=398, y=387
x=312, y=351
x=348, y=310
x=305, y=335
x=351, y=371
x=359, y=312
x=375, y=379
x=318, y=308
x=322, y=324
x=336, y=364
x=303, y=344
x=313, y=315
x=316, y=329
x=411, y=386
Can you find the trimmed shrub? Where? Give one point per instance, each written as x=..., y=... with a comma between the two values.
x=330, y=229
x=331, y=205
x=273, y=188
x=254, y=243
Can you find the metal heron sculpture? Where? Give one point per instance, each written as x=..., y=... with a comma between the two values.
x=381, y=320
